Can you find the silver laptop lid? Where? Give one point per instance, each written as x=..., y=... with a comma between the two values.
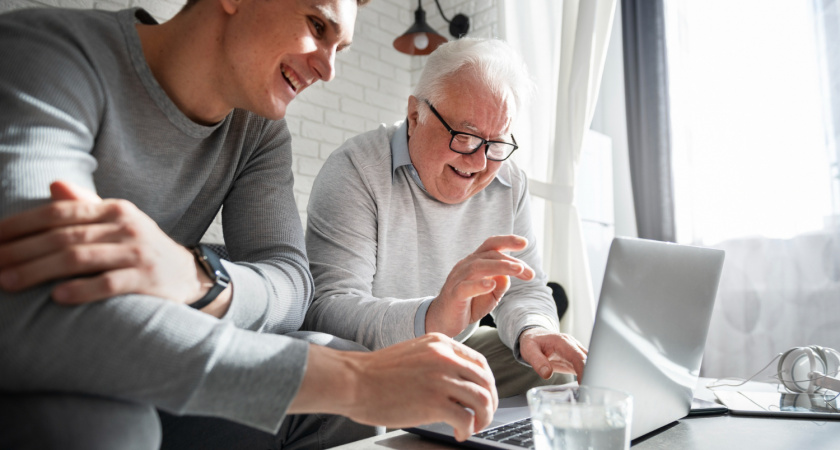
x=652, y=321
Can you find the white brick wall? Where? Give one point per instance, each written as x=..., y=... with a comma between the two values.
x=372, y=84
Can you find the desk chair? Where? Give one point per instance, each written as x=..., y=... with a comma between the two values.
x=560, y=299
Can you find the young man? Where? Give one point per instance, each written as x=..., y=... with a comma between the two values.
x=108, y=309
x=410, y=225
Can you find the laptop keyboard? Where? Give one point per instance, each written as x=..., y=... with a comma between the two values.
x=517, y=433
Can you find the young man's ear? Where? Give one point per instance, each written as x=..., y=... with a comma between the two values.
x=413, y=113
x=231, y=6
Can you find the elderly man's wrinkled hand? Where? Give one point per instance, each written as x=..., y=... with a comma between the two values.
x=476, y=284
x=548, y=352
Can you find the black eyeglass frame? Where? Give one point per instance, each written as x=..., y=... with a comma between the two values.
x=484, y=142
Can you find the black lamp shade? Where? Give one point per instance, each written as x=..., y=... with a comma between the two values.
x=412, y=41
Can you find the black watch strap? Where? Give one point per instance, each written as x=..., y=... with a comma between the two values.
x=211, y=263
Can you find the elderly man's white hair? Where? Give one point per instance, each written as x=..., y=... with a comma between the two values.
x=491, y=62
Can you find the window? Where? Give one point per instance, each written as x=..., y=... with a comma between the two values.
x=754, y=87
x=751, y=121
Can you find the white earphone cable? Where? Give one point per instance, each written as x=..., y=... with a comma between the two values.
x=719, y=382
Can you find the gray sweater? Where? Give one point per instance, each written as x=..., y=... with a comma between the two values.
x=380, y=247
x=79, y=103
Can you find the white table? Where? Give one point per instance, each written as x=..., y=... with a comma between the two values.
x=719, y=432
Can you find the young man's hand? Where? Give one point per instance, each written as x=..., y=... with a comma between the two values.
x=428, y=379
x=97, y=249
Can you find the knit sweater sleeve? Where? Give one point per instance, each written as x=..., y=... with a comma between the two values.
x=342, y=241
x=527, y=304
x=272, y=285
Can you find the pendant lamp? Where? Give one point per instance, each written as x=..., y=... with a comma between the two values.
x=421, y=39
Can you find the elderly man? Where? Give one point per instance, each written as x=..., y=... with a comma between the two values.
x=110, y=312
x=425, y=226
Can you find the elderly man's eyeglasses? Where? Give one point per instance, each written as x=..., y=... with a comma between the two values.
x=467, y=144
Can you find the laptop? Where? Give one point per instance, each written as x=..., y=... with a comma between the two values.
x=648, y=339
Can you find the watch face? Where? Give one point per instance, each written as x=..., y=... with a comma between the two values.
x=212, y=266
x=208, y=269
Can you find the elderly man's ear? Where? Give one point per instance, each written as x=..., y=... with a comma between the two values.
x=413, y=113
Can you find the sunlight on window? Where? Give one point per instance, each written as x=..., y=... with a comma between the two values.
x=747, y=117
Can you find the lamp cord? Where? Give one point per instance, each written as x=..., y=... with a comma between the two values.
x=441, y=12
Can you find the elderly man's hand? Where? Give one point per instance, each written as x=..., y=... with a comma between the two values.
x=549, y=352
x=104, y=247
x=448, y=382
x=476, y=284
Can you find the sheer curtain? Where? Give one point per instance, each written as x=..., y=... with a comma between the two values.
x=564, y=44
x=754, y=92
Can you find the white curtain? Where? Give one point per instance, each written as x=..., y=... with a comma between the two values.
x=755, y=108
x=564, y=44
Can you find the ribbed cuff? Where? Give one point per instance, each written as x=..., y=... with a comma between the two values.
x=420, y=318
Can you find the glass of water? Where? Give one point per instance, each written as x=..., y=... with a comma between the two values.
x=580, y=417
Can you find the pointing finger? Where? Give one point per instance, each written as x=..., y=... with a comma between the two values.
x=472, y=288
x=509, y=242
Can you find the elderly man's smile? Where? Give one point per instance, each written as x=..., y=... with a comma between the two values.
x=462, y=173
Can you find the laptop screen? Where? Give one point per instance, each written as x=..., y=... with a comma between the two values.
x=651, y=326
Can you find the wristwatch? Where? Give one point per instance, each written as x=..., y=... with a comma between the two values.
x=212, y=265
